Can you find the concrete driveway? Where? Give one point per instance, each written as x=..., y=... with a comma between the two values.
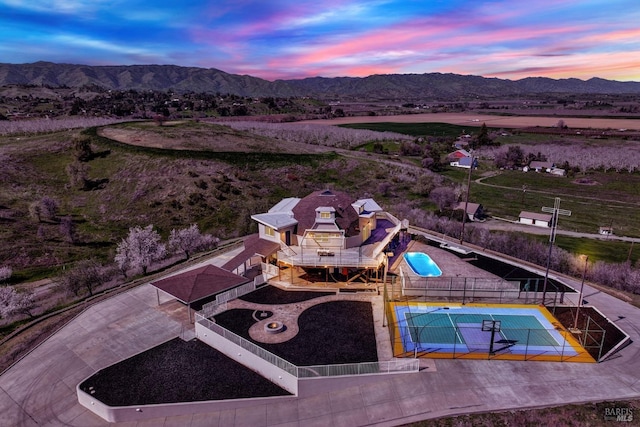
x=39, y=390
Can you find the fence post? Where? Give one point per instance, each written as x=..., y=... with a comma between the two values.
x=601, y=344
x=586, y=331
x=464, y=291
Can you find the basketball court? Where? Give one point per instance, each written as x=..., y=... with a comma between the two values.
x=482, y=331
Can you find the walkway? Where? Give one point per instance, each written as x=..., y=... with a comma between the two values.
x=39, y=390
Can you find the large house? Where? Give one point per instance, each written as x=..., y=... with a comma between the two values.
x=330, y=230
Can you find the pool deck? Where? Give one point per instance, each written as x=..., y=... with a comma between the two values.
x=39, y=390
x=449, y=263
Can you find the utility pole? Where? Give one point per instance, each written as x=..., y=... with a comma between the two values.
x=466, y=201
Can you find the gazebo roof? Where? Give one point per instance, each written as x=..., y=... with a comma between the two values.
x=194, y=285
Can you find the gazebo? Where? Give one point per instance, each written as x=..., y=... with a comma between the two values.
x=194, y=285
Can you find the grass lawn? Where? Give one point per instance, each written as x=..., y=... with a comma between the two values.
x=613, y=201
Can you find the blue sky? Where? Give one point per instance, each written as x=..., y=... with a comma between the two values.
x=291, y=39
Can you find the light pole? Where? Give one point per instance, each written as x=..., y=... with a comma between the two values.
x=584, y=273
x=555, y=211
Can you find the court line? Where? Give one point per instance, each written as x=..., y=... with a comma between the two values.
x=463, y=342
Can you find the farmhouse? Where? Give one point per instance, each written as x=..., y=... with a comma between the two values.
x=538, y=166
x=329, y=230
x=459, y=154
x=464, y=162
x=534, y=218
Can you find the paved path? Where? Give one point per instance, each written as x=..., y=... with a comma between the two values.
x=40, y=389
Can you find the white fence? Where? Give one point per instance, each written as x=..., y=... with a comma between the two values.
x=247, y=345
x=220, y=303
x=384, y=367
x=381, y=367
x=268, y=271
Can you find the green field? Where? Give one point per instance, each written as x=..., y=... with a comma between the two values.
x=614, y=201
x=415, y=129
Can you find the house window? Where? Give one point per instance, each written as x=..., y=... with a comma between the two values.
x=269, y=231
x=322, y=238
x=325, y=215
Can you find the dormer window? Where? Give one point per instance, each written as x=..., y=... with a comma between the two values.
x=325, y=214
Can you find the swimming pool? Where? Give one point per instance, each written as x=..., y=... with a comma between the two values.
x=422, y=264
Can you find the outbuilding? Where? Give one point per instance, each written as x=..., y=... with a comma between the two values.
x=534, y=218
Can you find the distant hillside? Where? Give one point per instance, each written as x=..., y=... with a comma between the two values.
x=392, y=86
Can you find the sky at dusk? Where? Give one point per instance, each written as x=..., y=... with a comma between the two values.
x=292, y=39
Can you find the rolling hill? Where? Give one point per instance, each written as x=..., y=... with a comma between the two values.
x=211, y=80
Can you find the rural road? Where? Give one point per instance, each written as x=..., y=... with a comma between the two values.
x=507, y=225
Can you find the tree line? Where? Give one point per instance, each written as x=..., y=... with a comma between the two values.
x=135, y=254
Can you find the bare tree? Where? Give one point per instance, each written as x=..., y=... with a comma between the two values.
x=443, y=197
x=189, y=240
x=45, y=208
x=68, y=229
x=78, y=174
x=35, y=211
x=49, y=208
x=87, y=274
x=139, y=249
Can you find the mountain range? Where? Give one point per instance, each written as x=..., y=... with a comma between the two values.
x=389, y=86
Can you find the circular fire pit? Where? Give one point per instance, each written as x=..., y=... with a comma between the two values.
x=273, y=327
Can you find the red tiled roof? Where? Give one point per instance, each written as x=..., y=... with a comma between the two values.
x=253, y=245
x=199, y=283
x=346, y=217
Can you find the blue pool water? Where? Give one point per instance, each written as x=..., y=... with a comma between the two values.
x=422, y=265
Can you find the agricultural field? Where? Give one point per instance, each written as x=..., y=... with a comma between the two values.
x=474, y=119
x=216, y=175
x=603, y=192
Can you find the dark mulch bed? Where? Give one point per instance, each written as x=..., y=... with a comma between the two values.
x=612, y=336
x=330, y=333
x=273, y=295
x=177, y=371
